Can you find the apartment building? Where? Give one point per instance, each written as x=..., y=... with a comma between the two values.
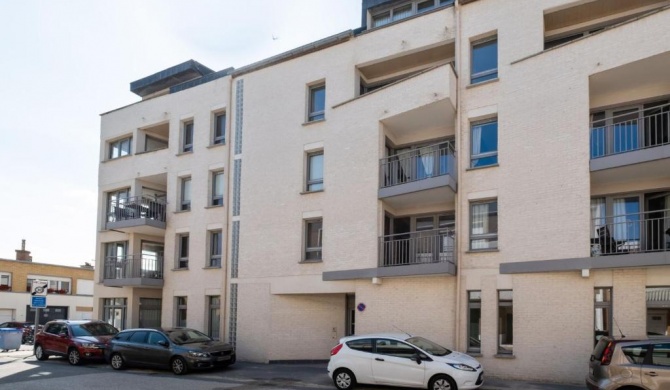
x=69, y=292
x=162, y=211
x=492, y=175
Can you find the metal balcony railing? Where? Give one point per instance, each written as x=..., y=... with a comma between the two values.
x=429, y=246
x=134, y=266
x=629, y=131
x=136, y=207
x=418, y=164
x=631, y=233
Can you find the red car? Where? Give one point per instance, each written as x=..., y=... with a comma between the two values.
x=76, y=340
x=25, y=326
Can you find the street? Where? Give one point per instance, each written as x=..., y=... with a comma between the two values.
x=23, y=372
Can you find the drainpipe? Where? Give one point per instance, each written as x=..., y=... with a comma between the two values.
x=459, y=220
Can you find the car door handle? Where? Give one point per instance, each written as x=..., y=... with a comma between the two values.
x=379, y=359
x=652, y=373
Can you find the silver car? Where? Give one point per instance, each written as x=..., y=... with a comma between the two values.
x=630, y=364
x=179, y=349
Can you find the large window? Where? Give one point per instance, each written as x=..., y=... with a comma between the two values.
x=317, y=103
x=658, y=312
x=185, y=194
x=180, y=303
x=187, y=137
x=603, y=312
x=314, y=171
x=182, y=242
x=114, y=311
x=484, y=225
x=484, y=151
x=505, y=322
x=215, y=248
x=219, y=133
x=214, y=313
x=313, y=237
x=55, y=285
x=484, y=60
x=119, y=148
x=387, y=15
x=115, y=204
x=217, y=189
x=474, y=321
x=5, y=281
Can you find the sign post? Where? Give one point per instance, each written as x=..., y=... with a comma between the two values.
x=38, y=299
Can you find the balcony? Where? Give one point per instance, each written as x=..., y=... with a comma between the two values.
x=426, y=175
x=138, y=214
x=134, y=271
x=631, y=233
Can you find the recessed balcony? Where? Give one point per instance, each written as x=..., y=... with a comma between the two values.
x=630, y=233
x=138, y=214
x=133, y=271
x=426, y=175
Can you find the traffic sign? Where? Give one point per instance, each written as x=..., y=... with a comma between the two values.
x=39, y=287
x=38, y=302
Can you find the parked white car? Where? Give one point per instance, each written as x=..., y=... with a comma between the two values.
x=398, y=359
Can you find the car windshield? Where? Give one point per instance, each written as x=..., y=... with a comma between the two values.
x=187, y=336
x=94, y=329
x=429, y=346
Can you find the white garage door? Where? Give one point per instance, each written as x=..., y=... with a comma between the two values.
x=6, y=315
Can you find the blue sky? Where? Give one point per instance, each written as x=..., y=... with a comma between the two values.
x=65, y=62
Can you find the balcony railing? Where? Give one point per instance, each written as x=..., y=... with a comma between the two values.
x=630, y=131
x=631, y=233
x=136, y=207
x=418, y=164
x=430, y=246
x=134, y=266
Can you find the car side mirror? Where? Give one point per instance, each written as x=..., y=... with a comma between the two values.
x=163, y=343
x=417, y=358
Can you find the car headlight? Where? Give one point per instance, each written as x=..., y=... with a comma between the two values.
x=89, y=345
x=198, y=354
x=463, y=367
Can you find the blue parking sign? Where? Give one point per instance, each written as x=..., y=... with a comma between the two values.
x=38, y=302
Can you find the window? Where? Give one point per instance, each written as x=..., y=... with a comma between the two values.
x=661, y=355
x=119, y=148
x=394, y=348
x=185, y=194
x=5, y=281
x=187, y=137
x=180, y=320
x=505, y=322
x=484, y=225
x=114, y=312
x=139, y=337
x=317, y=103
x=215, y=248
x=484, y=140
x=219, y=134
x=182, y=240
x=214, y=327
x=363, y=345
x=603, y=312
x=315, y=171
x=635, y=353
x=155, y=338
x=55, y=285
x=474, y=321
x=114, y=262
x=116, y=201
x=217, y=189
x=658, y=312
x=484, y=60
x=404, y=10
x=313, y=233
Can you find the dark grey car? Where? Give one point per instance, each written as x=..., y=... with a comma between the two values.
x=179, y=349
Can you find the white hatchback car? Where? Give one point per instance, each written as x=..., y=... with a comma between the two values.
x=398, y=359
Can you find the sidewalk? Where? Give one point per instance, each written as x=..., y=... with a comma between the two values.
x=24, y=351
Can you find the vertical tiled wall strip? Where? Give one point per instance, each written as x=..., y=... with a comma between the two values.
x=236, y=249
x=237, y=182
x=232, y=326
x=239, y=115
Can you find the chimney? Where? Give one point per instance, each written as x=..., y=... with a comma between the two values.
x=22, y=254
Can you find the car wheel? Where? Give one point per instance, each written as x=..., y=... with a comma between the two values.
x=344, y=379
x=73, y=357
x=179, y=366
x=39, y=353
x=442, y=382
x=117, y=362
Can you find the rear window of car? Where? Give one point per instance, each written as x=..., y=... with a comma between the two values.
x=635, y=353
x=363, y=345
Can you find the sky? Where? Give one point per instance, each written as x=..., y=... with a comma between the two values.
x=64, y=62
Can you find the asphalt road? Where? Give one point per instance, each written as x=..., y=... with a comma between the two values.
x=55, y=373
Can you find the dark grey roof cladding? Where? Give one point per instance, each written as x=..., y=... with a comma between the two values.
x=169, y=77
x=202, y=80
